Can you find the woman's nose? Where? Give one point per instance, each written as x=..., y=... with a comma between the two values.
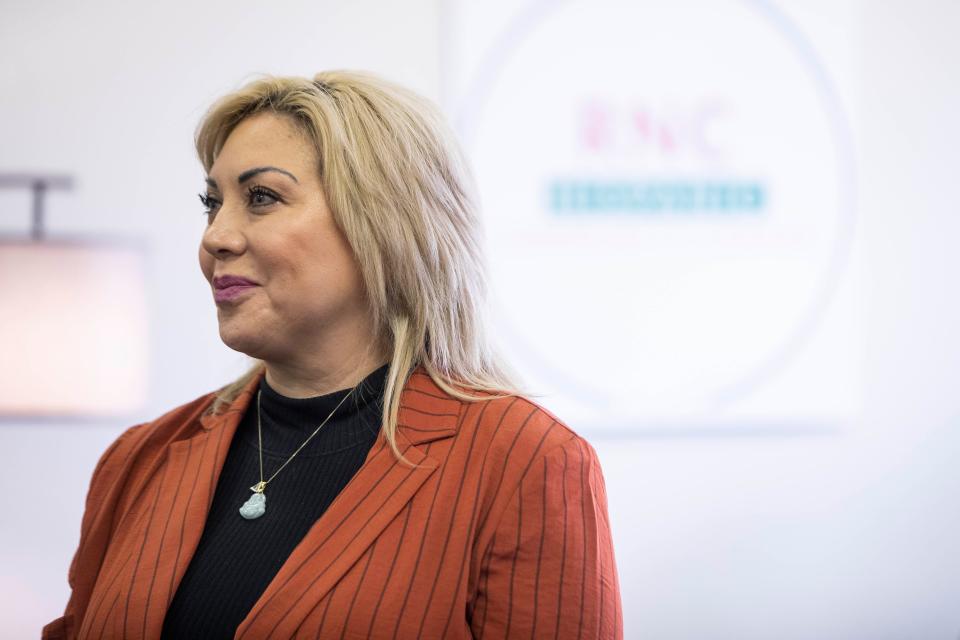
x=222, y=237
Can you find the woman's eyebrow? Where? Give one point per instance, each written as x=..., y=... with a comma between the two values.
x=249, y=173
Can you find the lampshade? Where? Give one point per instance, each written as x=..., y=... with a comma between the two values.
x=73, y=329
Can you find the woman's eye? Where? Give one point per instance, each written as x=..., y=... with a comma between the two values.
x=260, y=197
x=209, y=203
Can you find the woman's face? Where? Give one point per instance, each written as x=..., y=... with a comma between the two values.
x=269, y=224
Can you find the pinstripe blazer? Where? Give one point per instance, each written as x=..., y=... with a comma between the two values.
x=500, y=532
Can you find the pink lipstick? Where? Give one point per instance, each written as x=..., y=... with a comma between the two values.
x=230, y=288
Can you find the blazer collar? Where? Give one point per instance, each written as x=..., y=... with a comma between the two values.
x=427, y=413
x=371, y=500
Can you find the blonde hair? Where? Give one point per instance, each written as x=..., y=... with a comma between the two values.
x=399, y=188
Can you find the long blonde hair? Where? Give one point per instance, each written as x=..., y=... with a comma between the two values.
x=399, y=188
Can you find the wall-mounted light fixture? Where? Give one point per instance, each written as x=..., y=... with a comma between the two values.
x=73, y=320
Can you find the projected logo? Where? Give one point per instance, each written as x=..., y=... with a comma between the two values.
x=666, y=190
x=643, y=139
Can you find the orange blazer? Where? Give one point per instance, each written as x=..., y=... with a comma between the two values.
x=500, y=532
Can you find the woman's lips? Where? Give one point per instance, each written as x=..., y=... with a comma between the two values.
x=232, y=293
x=230, y=287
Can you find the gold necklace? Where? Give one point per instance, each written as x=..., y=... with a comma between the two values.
x=256, y=505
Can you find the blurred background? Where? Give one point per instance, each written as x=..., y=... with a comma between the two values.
x=721, y=241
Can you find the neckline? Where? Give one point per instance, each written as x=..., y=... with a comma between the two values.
x=367, y=390
x=288, y=422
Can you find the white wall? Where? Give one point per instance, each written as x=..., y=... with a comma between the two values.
x=849, y=535
x=844, y=536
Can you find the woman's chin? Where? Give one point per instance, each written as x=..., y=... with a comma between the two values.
x=245, y=341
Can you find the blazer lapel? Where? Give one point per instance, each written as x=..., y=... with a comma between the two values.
x=173, y=524
x=370, y=501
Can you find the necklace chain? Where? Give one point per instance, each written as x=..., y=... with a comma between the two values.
x=259, y=487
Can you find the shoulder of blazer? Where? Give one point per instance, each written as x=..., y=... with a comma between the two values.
x=136, y=449
x=515, y=421
x=493, y=446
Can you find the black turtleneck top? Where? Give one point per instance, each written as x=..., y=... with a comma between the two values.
x=237, y=558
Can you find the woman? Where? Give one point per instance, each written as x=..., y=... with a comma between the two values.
x=376, y=473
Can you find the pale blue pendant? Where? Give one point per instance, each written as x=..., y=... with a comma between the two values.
x=256, y=505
